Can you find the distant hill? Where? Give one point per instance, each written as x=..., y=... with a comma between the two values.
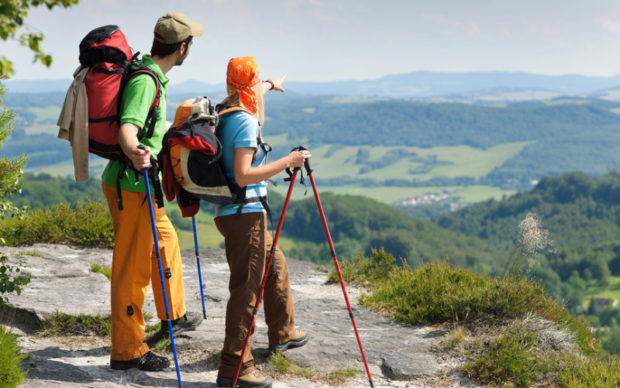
x=398, y=142
x=419, y=84
x=359, y=224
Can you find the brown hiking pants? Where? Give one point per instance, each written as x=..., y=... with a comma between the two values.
x=247, y=250
x=134, y=265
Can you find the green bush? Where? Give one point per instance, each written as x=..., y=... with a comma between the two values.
x=87, y=225
x=438, y=292
x=509, y=358
x=366, y=270
x=576, y=372
x=10, y=373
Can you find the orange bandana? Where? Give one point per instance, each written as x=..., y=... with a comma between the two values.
x=242, y=75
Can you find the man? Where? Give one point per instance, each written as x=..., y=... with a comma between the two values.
x=134, y=262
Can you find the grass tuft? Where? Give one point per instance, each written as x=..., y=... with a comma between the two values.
x=282, y=365
x=508, y=359
x=339, y=376
x=11, y=374
x=102, y=269
x=29, y=253
x=456, y=336
x=163, y=344
x=60, y=324
x=589, y=372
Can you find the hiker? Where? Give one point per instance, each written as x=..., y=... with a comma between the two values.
x=134, y=262
x=246, y=237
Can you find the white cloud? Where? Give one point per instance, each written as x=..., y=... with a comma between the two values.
x=610, y=25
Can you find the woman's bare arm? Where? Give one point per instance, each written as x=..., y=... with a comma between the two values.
x=246, y=175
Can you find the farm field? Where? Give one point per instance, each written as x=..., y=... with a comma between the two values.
x=392, y=194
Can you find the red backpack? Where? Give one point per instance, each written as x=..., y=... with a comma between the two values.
x=106, y=52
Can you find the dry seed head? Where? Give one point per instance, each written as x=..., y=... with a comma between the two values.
x=532, y=237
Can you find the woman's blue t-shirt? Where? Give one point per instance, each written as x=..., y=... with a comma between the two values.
x=239, y=130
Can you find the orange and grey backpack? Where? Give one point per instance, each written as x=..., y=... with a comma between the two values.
x=192, y=165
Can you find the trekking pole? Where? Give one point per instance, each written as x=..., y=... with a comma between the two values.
x=333, y=252
x=202, y=294
x=161, y=273
x=262, y=288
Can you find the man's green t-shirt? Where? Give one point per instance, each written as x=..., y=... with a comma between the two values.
x=136, y=101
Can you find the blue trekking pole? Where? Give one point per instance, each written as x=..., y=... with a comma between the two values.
x=202, y=295
x=161, y=274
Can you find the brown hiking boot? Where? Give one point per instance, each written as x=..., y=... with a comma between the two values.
x=249, y=380
x=299, y=338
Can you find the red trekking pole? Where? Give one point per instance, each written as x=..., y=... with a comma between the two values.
x=333, y=251
x=262, y=288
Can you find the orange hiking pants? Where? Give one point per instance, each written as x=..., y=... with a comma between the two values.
x=248, y=243
x=134, y=265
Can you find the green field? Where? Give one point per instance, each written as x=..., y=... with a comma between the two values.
x=449, y=161
x=95, y=168
x=393, y=194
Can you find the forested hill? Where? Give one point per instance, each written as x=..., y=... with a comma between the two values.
x=359, y=224
x=582, y=215
x=576, y=209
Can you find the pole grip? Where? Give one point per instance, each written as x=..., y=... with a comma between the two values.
x=307, y=166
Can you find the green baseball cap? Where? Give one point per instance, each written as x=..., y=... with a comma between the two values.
x=176, y=27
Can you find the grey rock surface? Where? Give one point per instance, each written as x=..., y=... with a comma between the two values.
x=398, y=355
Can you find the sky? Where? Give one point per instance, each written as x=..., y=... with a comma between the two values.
x=329, y=40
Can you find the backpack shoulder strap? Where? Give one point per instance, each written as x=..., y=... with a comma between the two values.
x=151, y=118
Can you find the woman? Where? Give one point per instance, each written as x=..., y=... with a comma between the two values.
x=245, y=231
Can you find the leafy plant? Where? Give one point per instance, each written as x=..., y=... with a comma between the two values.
x=12, y=16
x=11, y=279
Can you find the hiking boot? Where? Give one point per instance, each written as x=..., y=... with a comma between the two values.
x=149, y=361
x=249, y=380
x=299, y=338
x=188, y=322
